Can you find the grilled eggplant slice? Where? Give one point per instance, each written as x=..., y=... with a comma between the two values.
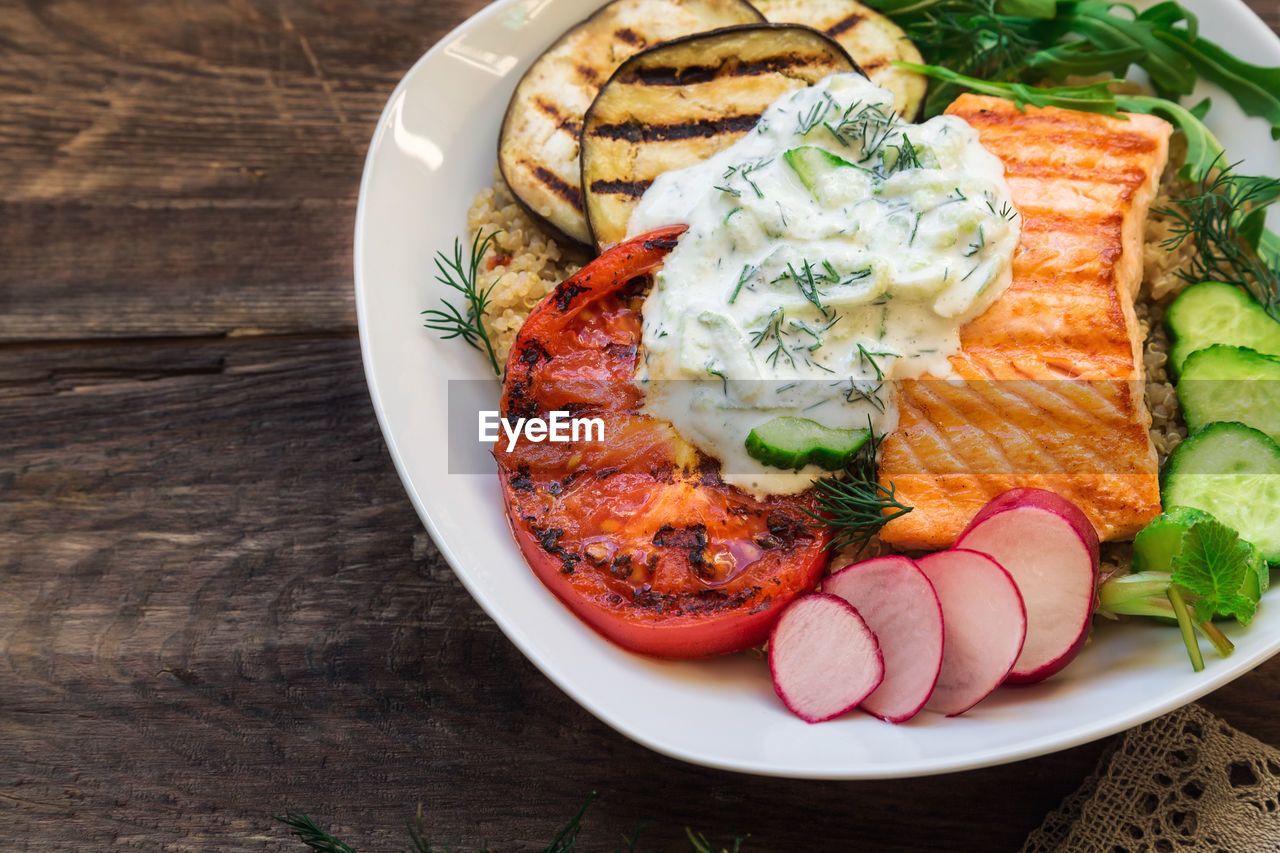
x=678, y=103
x=538, y=145
x=871, y=39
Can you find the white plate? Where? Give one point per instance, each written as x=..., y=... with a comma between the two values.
x=433, y=149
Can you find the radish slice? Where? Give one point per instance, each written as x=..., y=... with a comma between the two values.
x=1050, y=549
x=986, y=625
x=898, y=604
x=823, y=657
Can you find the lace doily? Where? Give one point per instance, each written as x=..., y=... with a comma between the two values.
x=1186, y=781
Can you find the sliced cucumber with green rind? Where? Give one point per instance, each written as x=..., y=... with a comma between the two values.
x=1214, y=312
x=1224, y=383
x=792, y=443
x=1232, y=472
x=811, y=164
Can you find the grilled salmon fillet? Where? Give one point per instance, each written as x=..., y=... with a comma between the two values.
x=1052, y=390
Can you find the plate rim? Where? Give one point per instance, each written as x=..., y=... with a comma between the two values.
x=992, y=756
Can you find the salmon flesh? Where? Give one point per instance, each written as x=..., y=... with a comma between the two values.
x=1051, y=376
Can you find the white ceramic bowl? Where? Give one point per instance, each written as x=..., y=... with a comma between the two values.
x=433, y=149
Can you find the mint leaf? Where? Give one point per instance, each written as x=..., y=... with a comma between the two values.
x=1212, y=565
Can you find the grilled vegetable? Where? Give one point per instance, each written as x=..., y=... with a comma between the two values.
x=678, y=103
x=538, y=145
x=871, y=39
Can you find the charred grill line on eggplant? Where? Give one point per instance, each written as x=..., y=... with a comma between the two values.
x=631, y=131
x=538, y=145
x=638, y=127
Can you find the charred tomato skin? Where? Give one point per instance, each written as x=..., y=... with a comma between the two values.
x=637, y=534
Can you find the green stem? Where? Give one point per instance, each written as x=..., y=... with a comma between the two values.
x=1183, y=614
x=1219, y=639
x=1138, y=594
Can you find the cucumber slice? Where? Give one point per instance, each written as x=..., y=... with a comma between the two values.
x=811, y=164
x=1156, y=544
x=1222, y=383
x=1213, y=312
x=793, y=443
x=1232, y=472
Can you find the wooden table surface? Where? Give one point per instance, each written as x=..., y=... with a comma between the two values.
x=216, y=602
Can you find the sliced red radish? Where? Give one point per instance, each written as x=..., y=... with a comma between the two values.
x=1050, y=549
x=823, y=657
x=986, y=625
x=897, y=602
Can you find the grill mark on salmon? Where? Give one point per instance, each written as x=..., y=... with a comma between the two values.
x=1053, y=396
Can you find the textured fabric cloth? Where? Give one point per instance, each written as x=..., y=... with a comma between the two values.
x=1186, y=781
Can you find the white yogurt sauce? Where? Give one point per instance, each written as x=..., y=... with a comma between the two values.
x=831, y=251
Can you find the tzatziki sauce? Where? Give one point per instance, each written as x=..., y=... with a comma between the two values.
x=832, y=250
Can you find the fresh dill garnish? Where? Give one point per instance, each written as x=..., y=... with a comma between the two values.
x=467, y=322
x=814, y=116
x=1224, y=218
x=808, y=283
x=868, y=358
x=977, y=245
x=854, y=506
x=744, y=171
x=730, y=191
x=862, y=391
x=803, y=328
x=715, y=371
x=312, y=835
x=915, y=226
x=866, y=124
x=564, y=841
x=906, y=157
x=747, y=273
x=773, y=332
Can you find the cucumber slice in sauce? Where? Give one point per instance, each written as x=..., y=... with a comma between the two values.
x=1222, y=383
x=1213, y=312
x=1232, y=472
x=793, y=443
x=811, y=164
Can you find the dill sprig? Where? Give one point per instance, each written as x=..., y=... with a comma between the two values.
x=565, y=841
x=312, y=835
x=855, y=506
x=465, y=322
x=1224, y=218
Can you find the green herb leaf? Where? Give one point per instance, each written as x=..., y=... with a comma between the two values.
x=855, y=506
x=466, y=322
x=1255, y=88
x=312, y=835
x=1212, y=565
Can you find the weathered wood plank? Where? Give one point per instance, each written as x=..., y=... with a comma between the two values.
x=190, y=168
x=217, y=604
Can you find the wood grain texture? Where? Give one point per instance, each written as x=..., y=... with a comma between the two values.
x=216, y=602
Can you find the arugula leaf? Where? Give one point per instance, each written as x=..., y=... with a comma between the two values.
x=1255, y=88
x=1212, y=565
x=1090, y=98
